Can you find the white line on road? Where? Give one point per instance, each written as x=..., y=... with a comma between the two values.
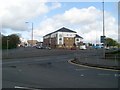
x=19, y=87
x=82, y=75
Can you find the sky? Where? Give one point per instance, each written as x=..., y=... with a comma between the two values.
x=84, y=17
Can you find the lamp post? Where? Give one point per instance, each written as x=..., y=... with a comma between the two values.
x=32, y=31
x=103, y=32
x=103, y=21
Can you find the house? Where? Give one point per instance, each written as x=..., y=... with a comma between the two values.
x=62, y=38
x=32, y=42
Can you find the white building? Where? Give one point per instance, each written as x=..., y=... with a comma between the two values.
x=62, y=38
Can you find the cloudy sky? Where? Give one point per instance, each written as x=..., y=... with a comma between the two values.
x=83, y=17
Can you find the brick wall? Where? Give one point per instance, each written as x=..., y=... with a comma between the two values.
x=69, y=42
x=53, y=42
x=46, y=42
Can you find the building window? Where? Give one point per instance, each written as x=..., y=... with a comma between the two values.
x=60, y=39
x=60, y=35
x=77, y=39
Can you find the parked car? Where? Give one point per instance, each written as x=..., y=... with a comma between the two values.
x=48, y=48
x=38, y=47
x=98, y=46
x=83, y=47
x=107, y=48
x=41, y=47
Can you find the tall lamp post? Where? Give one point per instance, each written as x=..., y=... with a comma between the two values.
x=103, y=32
x=103, y=21
x=32, y=31
x=103, y=38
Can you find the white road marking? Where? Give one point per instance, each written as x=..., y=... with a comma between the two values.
x=26, y=88
x=19, y=87
x=82, y=75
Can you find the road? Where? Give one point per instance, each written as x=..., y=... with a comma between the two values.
x=54, y=71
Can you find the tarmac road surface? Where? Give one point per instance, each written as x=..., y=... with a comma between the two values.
x=54, y=71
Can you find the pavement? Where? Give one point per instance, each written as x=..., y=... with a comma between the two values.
x=97, y=60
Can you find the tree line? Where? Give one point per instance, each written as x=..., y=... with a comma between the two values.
x=109, y=42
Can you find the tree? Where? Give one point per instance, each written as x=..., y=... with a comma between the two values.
x=4, y=42
x=90, y=44
x=12, y=41
x=110, y=42
x=0, y=41
x=118, y=44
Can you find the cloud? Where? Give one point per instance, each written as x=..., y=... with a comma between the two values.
x=86, y=21
x=55, y=5
x=83, y=16
x=15, y=13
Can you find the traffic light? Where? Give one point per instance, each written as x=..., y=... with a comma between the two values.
x=102, y=39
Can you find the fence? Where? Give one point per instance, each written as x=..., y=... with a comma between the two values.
x=98, y=59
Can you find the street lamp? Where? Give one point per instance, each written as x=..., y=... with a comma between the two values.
x=103, y=33
x=32, y=31
x=103, y=21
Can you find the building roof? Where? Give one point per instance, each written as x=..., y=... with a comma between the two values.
x=47, y=34
x=77, y=36
x=32, y=41
x=63, y=29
